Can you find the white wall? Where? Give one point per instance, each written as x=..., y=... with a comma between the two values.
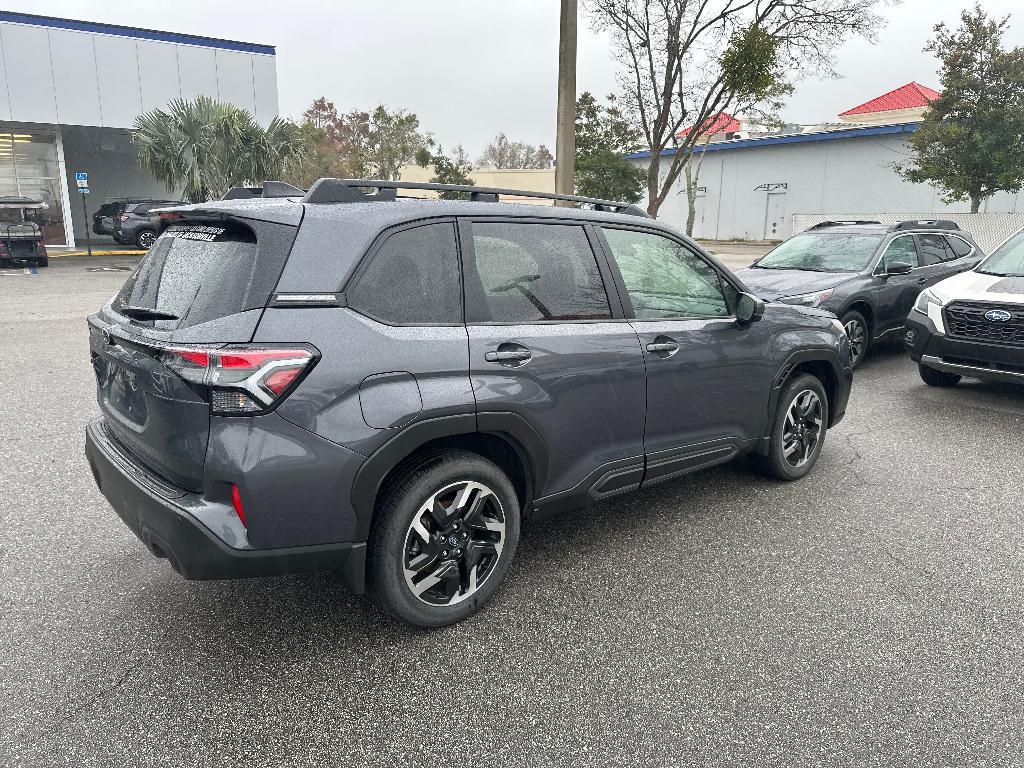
x=837, y=176
x=52, y=75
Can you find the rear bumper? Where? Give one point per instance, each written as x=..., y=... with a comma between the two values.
x=158, y=516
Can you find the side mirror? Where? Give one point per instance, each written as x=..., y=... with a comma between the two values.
x=898, y=268
x=749, y=309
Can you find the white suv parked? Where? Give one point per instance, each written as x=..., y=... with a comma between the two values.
x=972, y=324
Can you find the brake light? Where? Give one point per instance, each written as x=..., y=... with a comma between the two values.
x=122, y=217
x=243, y=380
x=236, y=502
x=169, y=216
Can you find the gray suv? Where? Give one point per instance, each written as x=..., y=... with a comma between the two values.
x=868, y=274
x=386, y=387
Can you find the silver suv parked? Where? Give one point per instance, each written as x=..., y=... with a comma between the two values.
x=386, y=387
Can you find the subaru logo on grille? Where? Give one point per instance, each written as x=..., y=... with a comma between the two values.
x=997, y=315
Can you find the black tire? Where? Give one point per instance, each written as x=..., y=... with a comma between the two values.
x=777, y=463
x=42, y=261
x=857, y=325
x=394, y=540
x=145, y=238
x=934, y=378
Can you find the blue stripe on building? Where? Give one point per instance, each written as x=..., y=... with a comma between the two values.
x=54, y=22
x=796, y=138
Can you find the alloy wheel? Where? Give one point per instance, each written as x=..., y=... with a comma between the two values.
x=802, y=428
x=146, y=240
x=453, y=543
x=858, y=336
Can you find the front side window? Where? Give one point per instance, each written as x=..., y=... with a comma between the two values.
x=412, y=279
x=664, y=279
x=525, y=273
x=823, y=252
x=900, y=251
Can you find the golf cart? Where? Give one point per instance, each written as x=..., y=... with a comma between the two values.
x=21, y=236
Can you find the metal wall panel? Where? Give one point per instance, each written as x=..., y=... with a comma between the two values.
x=158, y=74
x=29, y=77
x=264, y=70
x=5, y=96
x=197, y=71
x=234, y=79
x=117, y=71
x=74, y=77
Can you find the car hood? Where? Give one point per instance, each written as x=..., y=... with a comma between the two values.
x=975, y=286
x=772, y=284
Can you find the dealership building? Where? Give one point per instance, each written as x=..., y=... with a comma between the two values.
x=767, y=185
x=71, y=91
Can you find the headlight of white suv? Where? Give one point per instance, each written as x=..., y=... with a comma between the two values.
x=929, y=304
x=926, y=298
x=808, y=299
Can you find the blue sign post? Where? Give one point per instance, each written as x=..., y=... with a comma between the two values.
x=82, y=184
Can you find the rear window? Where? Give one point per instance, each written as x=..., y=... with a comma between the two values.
x=195, y=272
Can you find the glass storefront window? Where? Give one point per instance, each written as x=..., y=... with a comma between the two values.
x=29, y=168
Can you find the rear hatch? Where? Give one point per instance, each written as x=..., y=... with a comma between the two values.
x=202, y=285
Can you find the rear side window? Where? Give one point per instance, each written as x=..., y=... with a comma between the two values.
x=960, y=247
x=197, y=273
x=933, y=249
x=525, y=273
x=413, y=279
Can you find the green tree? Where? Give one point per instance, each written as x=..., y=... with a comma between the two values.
x=447, y=170
x=379, y=143
x=202, y=148
x=603, y=136
x=971, y=141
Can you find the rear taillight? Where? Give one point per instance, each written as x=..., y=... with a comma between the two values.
x=242, y=380
x=123, y=217
x=169, y=216
x=236, y=502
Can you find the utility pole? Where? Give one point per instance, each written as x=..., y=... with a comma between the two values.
x=565, y=136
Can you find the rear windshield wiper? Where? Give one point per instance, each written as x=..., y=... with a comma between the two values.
x=146, y=313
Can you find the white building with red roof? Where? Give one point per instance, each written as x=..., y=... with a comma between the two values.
x=766, y=186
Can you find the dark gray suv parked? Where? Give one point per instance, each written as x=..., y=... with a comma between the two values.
x=868, y=274
x=386, y=387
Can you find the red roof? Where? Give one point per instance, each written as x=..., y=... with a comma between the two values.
x=723, y=122
x=905, y=97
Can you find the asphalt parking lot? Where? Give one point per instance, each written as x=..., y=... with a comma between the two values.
x=871, y=614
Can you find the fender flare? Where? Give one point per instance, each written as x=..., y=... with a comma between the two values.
x=816, y=355
x=511, y=426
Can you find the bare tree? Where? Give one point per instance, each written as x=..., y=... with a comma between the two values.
x=503, y=153
x=687, y=61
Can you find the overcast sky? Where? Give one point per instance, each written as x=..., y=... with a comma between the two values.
x=471, y=68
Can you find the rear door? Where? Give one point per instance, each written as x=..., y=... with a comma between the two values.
x=547, y=343
x=212, y=282
x=963, y=254
x=708, y=378
x=937, y=259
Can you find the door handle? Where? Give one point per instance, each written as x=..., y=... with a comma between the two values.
x=509, y=354
x=663, y=346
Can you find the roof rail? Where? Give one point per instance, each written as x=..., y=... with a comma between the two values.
x=269, y=189
x=349, y=191
x=843, y=223
x=925, y=224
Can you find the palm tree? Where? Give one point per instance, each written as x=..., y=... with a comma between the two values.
x=205, y=147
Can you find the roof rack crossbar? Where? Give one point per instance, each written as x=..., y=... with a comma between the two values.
x=347, y=191
x=843, y=223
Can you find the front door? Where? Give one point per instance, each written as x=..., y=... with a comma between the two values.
x=897, y=293
x=544, y=344
x=708, y=378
